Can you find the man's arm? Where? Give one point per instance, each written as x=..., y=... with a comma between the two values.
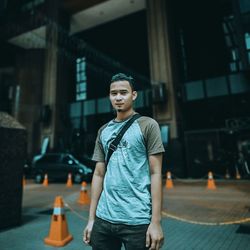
x=96, y=189
x=155, y=236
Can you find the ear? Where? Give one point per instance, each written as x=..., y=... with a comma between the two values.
x=134, y=94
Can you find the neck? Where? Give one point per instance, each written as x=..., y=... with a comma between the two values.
x=120, y=116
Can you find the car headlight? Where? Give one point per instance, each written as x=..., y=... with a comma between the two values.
x=81, y=171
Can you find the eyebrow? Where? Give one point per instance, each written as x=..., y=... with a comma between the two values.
x=118, y=90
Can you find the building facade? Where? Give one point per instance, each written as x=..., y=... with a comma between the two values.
x=190, y=61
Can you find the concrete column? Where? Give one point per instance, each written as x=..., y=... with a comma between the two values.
x=160, y=62
x=51, y=71
x=28, y=94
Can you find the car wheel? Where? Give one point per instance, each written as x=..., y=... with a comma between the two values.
x=77, y=178
x=38, y=178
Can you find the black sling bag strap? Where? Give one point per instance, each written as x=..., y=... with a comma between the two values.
x=113, y=145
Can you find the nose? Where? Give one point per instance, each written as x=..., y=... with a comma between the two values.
x=118, y=97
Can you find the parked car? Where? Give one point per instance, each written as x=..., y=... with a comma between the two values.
x=58, y=166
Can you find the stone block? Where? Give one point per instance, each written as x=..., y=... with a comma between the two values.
x=13, y=150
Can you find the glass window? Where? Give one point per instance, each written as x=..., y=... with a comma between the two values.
x=225, y=28
x=103, y=105
x=234, y=54
x=75, y=109
x=81, y=79
x=82, y=87
x=244, y=6
x=83, y=76
x=247, y=40
x=164, y=133
x=78, y=77
x=228, y=41
x=240, y=65
x=83, y=66
x=76, y=122
x=89, y=107
x=216, y=86
x=238, y=83
x=233, y=67
x=139, y=102
x=81, y=96
x=78, y=67
x=194, y=90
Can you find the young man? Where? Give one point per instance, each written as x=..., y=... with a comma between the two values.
x=126, y=195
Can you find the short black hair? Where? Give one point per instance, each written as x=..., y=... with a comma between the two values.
x=123, y=77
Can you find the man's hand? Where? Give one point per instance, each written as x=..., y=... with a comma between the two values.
x=96, y=189
x=154, y=236
x=87, y=232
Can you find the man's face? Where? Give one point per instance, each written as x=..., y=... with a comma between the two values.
x=121, y=96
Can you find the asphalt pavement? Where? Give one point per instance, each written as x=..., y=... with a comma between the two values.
x=194, y=217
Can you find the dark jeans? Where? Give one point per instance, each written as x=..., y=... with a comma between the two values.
x=109, y=236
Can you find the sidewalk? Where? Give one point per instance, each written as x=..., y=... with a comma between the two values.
x=193, y=217
x=207, y=219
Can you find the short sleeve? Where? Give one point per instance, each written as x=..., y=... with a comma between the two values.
x=98, y=154
x=152, y=135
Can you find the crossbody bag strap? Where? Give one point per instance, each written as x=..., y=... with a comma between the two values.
x=113, y=145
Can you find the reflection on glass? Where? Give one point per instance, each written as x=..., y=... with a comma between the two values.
x=164, y=133
x=247, y=40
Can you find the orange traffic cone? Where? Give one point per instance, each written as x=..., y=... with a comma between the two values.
x=69, y=181
x=58, y=235
x=169, y=182
x=45, y=181
x=24, y=181
x=210, y=181
x=84, y=197
x=237, y=176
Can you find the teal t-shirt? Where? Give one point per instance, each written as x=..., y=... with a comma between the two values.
x=126, y=196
